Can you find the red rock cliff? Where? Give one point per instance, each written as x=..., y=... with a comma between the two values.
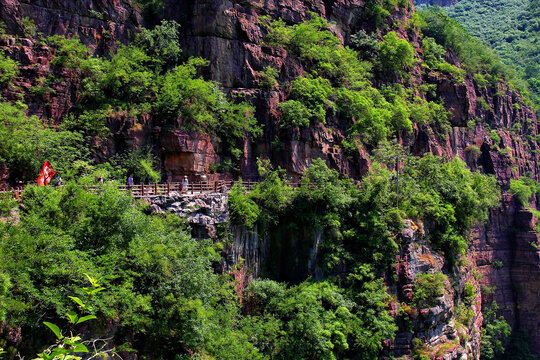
x=229, y=35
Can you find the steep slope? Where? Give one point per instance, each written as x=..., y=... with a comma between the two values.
x=510, y=28
x=490, y=128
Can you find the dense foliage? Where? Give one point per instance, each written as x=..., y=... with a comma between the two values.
x=26, y=142
x=477, y=58
x=162, y=295
x=361, y=223
x=339, y=83
x=510, y=28
x=524, y=189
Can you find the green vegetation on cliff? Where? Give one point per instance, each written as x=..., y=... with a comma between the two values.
x=511, y=28
x=339, y=85
x=362, y=222
x=162, y=295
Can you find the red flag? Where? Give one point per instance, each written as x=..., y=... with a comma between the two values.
x=46, y=174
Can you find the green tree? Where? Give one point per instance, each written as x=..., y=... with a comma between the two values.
x=396, y=53
x=8, y=69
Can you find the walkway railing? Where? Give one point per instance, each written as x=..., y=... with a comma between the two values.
x=142, y=190
x=166, y=189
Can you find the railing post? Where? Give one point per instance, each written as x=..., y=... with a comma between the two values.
x=168, y=189
x=192, y=185
x=142, y=189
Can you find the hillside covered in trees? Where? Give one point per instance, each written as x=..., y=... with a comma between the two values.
x=510, y=28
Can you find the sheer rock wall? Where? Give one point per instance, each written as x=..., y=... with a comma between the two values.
x=230, y=36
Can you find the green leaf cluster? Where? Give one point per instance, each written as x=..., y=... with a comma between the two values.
x=8, y=70
x=524, y=189
x=428, y=287
x=26, y=142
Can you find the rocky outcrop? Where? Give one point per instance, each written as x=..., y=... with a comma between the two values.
x=444, y=329
x=98, y=23
x=204, y=212
x=187, y=153
x=231, y=36
x=207, y=214
x=44, y=99
x=508, y=257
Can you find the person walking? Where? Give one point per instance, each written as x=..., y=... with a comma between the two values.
x=185, y=184
x=130, y=182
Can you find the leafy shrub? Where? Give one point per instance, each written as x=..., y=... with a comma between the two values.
x=456, y=73
x=162, y=43
x=295, y=113
x=480, y=80
x=469, y=293
x=243, y=210
x=396, y=53
x=495, y=334
x=90, y=123
x=8, y=70
x=272, y=193
x=366, y=45
x=140, y=163
x=450, y=196
x=424, y=113
x=203, y=106
x=25, y=144
x=524, y=189
x=432, y=53
x=428, y=287
x=279, y=34
x=72, y=54
x=127, y=75
x=377, y=14
x=473, y=151
x=269, y=75
x=483, y=104
x=314, y=95
x=28, y=27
